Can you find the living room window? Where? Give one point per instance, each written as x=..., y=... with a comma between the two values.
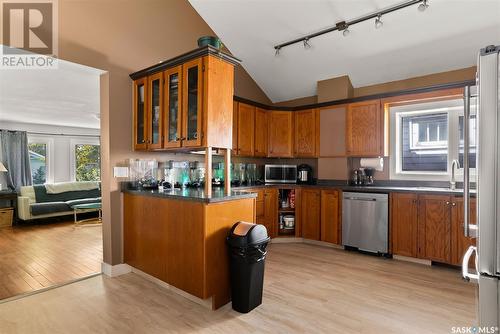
x=39, y=149
x=428, y=136
x=86, y=160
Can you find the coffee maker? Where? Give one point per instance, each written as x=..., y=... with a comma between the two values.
x=304, y=174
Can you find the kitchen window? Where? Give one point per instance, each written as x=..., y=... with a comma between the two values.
x=428, y=136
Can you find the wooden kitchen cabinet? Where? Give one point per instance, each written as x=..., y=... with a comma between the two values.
x=460, y=243
x=331, y=217
x=270, y=220
x=306, y=135
x=140, y=114
x=261, y=134
x=280, y=136
x=434, y=228
x=185, y=103
x=245, y=129
x=310, y=213
x=172, y=107
x=404, y=224
x=365, y=129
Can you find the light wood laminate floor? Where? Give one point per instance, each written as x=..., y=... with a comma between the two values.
x=38, y=256
x=308, y=289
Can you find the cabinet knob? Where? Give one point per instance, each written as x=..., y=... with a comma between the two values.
x=454, y=204
x=447, y=203
x=143, y=141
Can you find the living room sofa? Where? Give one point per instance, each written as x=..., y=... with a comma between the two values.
x=57, y=199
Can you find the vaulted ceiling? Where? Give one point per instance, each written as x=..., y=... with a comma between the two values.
x=411, y=43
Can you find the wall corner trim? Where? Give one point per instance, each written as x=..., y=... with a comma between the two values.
x=116, y=270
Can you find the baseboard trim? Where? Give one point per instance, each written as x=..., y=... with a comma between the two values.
x=115, y=270
x=286, y=240
x=412, y=259
x=322, y=244
x=207, y=303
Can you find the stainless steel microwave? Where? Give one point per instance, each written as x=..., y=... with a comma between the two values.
x=280, y=173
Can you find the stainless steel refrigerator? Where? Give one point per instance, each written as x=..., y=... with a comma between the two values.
x=487, y=253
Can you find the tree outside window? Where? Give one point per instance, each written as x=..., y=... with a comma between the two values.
x=87, y=162
x=38, y=162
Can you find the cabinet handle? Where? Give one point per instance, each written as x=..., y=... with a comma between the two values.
x=195, y=136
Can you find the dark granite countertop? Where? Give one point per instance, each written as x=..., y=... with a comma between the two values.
x=373, y=188
x=218, y=194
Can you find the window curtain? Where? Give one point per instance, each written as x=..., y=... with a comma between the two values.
x=16, y=158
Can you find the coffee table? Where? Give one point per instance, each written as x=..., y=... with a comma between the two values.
x=87, y=207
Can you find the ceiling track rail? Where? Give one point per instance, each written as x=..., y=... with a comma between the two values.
x=343, y=25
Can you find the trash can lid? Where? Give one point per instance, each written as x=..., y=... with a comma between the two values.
x=245, y=234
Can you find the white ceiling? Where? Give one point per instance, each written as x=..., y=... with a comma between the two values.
x=446, y=36
x=66, y=96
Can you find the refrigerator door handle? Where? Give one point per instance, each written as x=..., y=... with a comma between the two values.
x=465, y=264
x=466, y=162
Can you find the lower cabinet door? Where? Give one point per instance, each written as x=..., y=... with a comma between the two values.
x=404, y=223
x=310, y=202
x=434, y=228
x=330, y=217
x=271, y=211
x=460, y=243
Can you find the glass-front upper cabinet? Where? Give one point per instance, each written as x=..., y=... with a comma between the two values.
x=173, y=125
x=192, y=102
x=155, y=86
x=140, y=114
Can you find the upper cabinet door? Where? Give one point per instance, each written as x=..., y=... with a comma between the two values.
x=306, y=133
x=261, y=124
x=173, y=103
x=140, y=114
x=246, y=129
x=280, y=134
x=192, y=73
x=155, y=105
x=235, y=128
x=365, y=129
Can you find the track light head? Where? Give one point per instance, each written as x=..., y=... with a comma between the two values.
x=378, y=22
x=423, y=6
x=346, y=32
x=277, y=52
x=306, y=43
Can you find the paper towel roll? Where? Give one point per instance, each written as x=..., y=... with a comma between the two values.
x=377, y=163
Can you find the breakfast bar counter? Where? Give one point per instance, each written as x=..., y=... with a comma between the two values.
x=179, y=237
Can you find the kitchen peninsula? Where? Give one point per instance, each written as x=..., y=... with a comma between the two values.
x=178, y=236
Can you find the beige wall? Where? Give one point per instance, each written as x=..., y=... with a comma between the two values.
x=122, y=37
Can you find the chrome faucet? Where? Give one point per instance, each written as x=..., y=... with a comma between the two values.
x=455, y=164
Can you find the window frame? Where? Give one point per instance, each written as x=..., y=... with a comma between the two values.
x=395, y=168
x=49, y=165
x=72, y=154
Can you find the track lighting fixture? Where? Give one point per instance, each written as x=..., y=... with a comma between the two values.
x=277, y=52
x=306, y=43
x=343, y=26
x=423, y=6
x=378, y=22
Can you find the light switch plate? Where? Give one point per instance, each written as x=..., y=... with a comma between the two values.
x=120, y=171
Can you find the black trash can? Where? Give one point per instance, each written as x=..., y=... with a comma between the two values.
x=247, y=253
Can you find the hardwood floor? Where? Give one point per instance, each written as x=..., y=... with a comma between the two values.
x=38, y=256
x=308, y=289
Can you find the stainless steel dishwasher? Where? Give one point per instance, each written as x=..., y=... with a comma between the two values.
x=365, y=221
